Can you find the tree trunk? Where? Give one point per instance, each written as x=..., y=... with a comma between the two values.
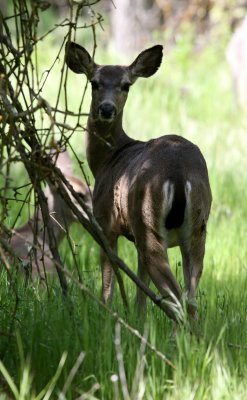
x=133, y=23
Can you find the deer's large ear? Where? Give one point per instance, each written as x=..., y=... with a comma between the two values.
x=147, y=63
x=78, y=59
x=64, y=162
x=61, y=158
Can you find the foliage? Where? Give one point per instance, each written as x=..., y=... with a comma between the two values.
x=57, y=348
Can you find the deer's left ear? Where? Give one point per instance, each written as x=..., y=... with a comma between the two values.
x=78, y=59
x=147, y=63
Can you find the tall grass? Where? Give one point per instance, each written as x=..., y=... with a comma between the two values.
x=191, y=95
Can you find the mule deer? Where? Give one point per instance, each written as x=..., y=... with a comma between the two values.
x=33, y=232
x=155, y=193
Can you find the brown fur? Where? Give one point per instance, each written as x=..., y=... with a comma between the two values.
x=155, y=193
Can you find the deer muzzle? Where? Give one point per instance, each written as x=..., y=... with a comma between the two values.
x=107, y=111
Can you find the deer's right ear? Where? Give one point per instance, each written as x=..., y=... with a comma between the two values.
x=147, y=63
x=78, y=59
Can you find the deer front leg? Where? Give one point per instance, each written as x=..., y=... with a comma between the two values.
x=108, y=276
x=143, y=275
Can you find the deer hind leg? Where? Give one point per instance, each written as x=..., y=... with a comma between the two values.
x=192, y=255
x=192, y=242
x=154, y=263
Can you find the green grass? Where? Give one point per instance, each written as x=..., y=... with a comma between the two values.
x=191, y=95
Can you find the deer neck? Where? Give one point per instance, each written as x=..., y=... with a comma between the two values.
x=103, y=140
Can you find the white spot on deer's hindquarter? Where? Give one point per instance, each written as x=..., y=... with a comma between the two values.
x=188, y=188
x=168, y=191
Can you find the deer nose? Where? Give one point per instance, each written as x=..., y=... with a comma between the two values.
x=107, y=110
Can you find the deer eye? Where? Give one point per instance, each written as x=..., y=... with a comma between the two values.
x=125, y=87
x=95, y=85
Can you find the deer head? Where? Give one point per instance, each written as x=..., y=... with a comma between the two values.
x=111, y=83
